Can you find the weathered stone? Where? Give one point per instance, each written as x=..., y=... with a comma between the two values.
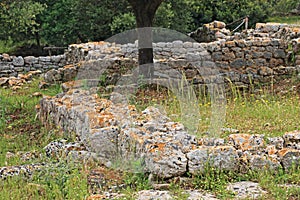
x=53, y=76
x=261, y=162
x=240, y=43
x=221, y=157
x=230, y=44
x=4, y=81
x=165, y=161
x=275, y=62
x=228, y=56
x=291, y=137
x=260, y=62
x=276, y=141
x=247, y=141
x=6, y=57
x=217, y=56
x=237, y=63
x=196, y=195
x=246, y=189
x=218, y=24
x=289, y=157
x=279, y=53
x=257, y=54
x=267, y=55
x=44, y=59
x=18, y=61
x=177, y=44
x=187, y=44
x=154, y=195
x=30, y=60
x=265, y=71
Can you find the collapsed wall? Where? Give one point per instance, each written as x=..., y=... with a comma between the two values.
x=151, y=142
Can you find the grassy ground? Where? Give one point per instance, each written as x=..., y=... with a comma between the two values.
x=263, y=112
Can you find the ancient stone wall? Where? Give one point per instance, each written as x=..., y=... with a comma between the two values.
x=13, y=65
x=260, y=55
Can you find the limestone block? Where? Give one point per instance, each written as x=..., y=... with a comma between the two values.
x=30, y=60
x=177, y=44
x=292, y=139
x=265, y=71
x=4, y=81
x=276, y=141
x=247, y=141
x=230, y=44
x=221, y=157
x=228, y=56
x=44, y=59
x=18, y=61
x=165, y=161
x=246, y=189
x=262, y=162
x=289, y=157
x=154, y=195
x=279, y=53
x=219, y=24
x=237, y=63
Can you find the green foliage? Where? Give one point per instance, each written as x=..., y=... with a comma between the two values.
x=171, y=15
x=122, y=23
x=229, y=10
x=285, y=6
x=63, y=22
x=71, y=21
x=18, y=19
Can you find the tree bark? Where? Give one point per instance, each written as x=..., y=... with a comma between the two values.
x=144, y=11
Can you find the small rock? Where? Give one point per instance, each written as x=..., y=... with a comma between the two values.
x=43, y=85
x=37, y=94
x=154, y=195
x=197, y=195
x=6, y=57
x=15, y=88
x=246, y=189
x=3, y=81
x=161, y=186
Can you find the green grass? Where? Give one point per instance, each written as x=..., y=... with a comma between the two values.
x=21, y=130
x=285, y=19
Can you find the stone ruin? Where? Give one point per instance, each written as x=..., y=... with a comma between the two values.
x=165, y=148
x=110, y=130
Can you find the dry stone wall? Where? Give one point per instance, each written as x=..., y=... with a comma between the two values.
x=15, y=65
x=267, y=53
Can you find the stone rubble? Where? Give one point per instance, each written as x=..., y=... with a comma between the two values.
x=159, y=146
x=16, y=83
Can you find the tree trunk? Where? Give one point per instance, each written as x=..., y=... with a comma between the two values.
x=144, y=11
